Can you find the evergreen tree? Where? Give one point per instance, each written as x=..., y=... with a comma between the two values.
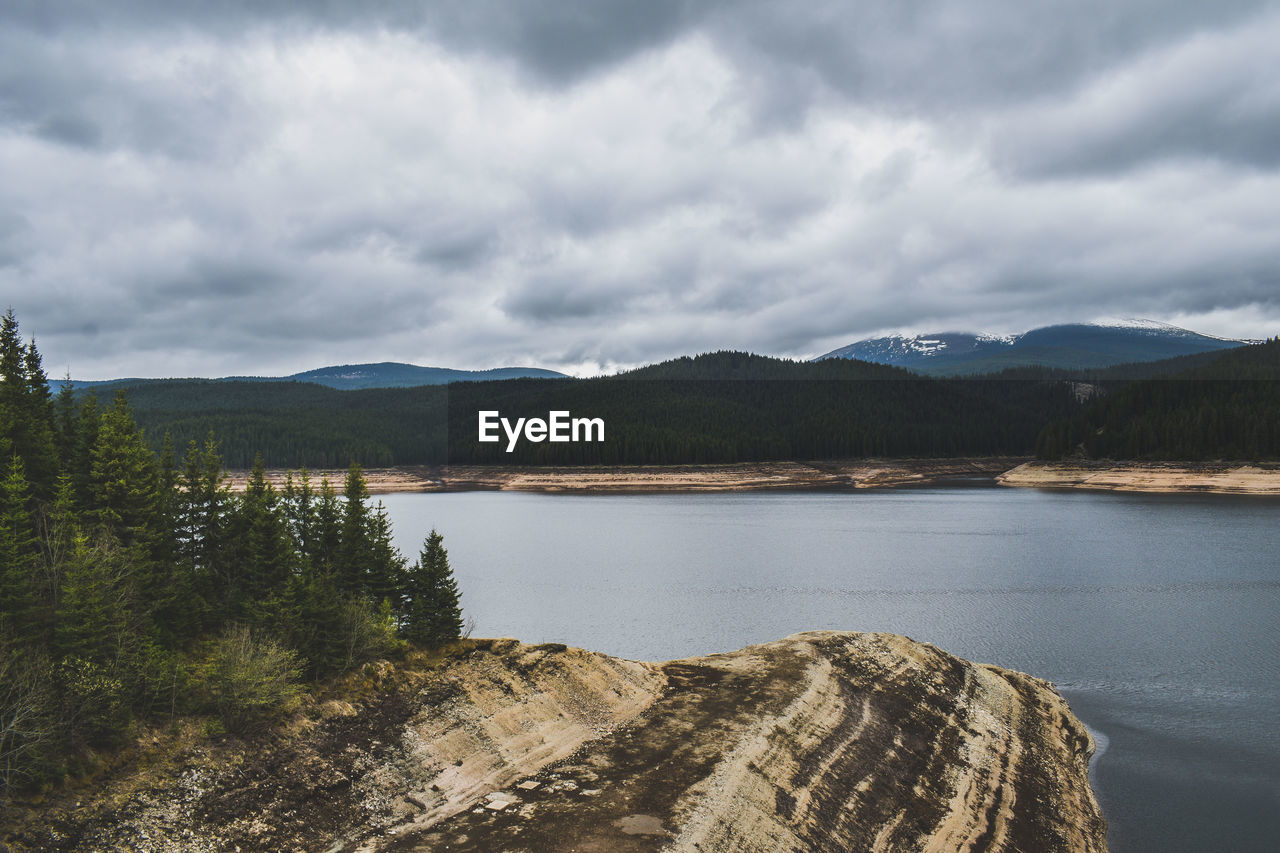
x=26, y=410
x=41, y=458
x=433, y=615
x=327, y=542
x=355, y=554
x=167, y=500
x=58, y=529
x=95, y=603
x=19, y=553
x=202, y=535
x=80, y=466
x=317, y=608
x=299, y=502
x=124, y=482
x=386, y=567
x=168, y=588
x=262, y=546
x=95, y=641
x=12, y=386
x=65, y=414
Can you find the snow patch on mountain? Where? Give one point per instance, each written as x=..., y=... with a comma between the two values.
x=925, y=346
x=1154, y=326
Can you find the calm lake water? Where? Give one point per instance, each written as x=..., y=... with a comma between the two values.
x=1157, y=616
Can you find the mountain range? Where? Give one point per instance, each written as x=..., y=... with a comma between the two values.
x=1070, y=346
x=1073, y=346
x=385, y=374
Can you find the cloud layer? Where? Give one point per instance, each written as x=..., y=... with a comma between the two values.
x=209, y=189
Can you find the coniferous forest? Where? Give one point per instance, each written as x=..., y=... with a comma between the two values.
x=1227, y=408
x=134, y=585
x=719, y=407
x=738, y=407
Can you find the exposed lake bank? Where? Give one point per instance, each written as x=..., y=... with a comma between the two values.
x=1257, y=478
x=822, y=740
x=739, y=477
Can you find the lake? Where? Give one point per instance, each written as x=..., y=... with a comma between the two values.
x=1158, y=617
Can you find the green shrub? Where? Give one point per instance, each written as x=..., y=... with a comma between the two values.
x=251, y=678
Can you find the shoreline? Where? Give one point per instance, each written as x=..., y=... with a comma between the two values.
x=831, y=475
x=485, y=740
x=1238, y=478
x=1220, y=478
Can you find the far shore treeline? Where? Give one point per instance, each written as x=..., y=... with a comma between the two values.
x=736, y=407
x=135, y=586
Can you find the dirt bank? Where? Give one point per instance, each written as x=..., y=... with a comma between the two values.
x=1224, y=478
x=820, y=741
x=848, y=474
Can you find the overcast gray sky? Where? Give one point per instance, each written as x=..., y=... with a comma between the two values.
x=199, y=189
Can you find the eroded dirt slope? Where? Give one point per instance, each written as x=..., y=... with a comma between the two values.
x=821, y=741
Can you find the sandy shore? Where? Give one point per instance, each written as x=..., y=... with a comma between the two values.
x=1223, y=478
x=851, y=474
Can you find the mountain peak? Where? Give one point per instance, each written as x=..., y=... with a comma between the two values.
x=1069, y=345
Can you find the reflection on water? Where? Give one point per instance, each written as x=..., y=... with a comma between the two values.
x=1157, y=616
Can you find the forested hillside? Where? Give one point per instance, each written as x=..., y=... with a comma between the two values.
x=738, y=407
x=134, y=585
x=688, y=410
x=1228, y=408
x=676, y=421
x=295, y=424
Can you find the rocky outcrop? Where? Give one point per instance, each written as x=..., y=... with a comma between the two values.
x=1254, y=479
x=821, y=741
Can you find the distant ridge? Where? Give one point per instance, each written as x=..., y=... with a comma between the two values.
x=1070, y=346
x=384, y=374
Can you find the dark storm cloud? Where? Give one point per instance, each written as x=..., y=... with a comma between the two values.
x=937, y=56
x=267, y=186
x=1216, y=97
x=560, y=41
x=547, y=301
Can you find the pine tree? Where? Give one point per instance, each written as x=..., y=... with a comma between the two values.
x=317, y=608
x=26, y=410
x=167, y=500
x=95, y=640
x=124, y=481
x=19, y=554
x=95, y=602
x=202, y=536
x=66, y=412
x=168, y=589
x=386, y=567
x=327, y=543
x=80, y=466
x=263, y=549
x=433, y=616
x=59, y=526
x=41, y=454
x=355, y=555
x=12, y=385
x=299, y=502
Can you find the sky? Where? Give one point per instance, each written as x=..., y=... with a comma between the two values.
x=264, y=187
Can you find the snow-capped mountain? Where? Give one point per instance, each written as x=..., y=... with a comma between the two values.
x=908, y=351
x=1073, y=345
